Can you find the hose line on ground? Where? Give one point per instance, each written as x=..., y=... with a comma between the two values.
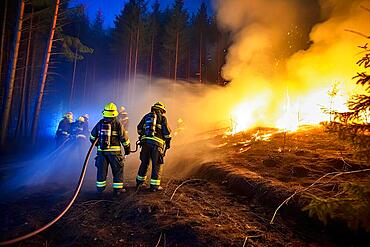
x=77, y=190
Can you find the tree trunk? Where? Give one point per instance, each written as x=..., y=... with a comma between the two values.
x=136, y=59
x=3, y=38
x=31, y=85
x=129, y=69
x=85, y=83
x=218, y=59
x=9, y=95
x=188, y=65
x=200, y=57
x=44, y=73
x=25, y=80
x=151, y=62
x=177, y=56
x=73, y=78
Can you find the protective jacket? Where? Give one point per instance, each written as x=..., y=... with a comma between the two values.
x=64, y=128
x=117, y=136
x=111, y=134
x=161, y=132
x=155, y=136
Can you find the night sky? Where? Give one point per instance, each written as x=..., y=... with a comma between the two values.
x=111, y=8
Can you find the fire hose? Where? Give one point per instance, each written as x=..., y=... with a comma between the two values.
x=76, y=192
x=137, y=147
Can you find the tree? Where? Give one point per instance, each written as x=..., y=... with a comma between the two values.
x=201, y=27
x=3, y=38
x=44, y=71
x=14, y=60
x=153, y=29
x=175, y=33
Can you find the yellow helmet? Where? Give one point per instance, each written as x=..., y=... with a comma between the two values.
x=160, y=106
x=81, y=119
x=69, y=116
x=122, y=109
x=110, y=110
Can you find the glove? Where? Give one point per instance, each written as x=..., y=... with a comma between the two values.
x=127, y=149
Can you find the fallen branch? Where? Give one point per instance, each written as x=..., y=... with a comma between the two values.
x=335, y=175
x=159, y=240
x=358, y=33
x=185, y=182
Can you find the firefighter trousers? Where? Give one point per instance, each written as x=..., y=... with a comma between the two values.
x=150, y=152
x=116, y=163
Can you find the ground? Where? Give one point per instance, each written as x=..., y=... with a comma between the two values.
x=224, y=193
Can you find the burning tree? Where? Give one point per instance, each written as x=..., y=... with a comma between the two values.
x=354, y=125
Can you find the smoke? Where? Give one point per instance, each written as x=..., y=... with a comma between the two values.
x=295, y=48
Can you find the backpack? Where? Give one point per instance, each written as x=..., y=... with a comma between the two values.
x=105, y=134
x=150, y=123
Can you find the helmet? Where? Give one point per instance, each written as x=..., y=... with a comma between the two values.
x=69, y=116
x=159, y=106
x=122, y=109
x=86, y=116
x=81, y=119
x=110, y=110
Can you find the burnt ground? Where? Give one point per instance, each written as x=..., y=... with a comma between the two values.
x=227, y=198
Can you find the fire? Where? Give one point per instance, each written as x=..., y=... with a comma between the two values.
x=304, y=110
x=246, y=114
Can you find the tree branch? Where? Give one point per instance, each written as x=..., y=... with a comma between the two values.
x=335, y=174
x=358, y=33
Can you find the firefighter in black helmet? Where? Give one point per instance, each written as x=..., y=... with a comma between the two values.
x=111, y=134
x=155, y=138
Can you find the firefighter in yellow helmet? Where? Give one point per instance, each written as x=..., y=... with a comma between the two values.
x=155, y=138
x=112, y=135
x=64, y=128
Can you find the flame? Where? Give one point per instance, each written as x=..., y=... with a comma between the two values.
x=246, y=114
x=268, y=55
x=305, y=110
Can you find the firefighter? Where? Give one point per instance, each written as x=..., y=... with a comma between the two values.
x=64, y=128
x=123, y=117
x=155, y=137
x=78, y=129
x=86, y=123
x=111, y=134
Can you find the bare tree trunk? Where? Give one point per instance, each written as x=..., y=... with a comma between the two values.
x=31, y=85
x=200, y=57
x=9, y=95
x=218, y=59
x=177, y=56
x=73, y=78
x=129, y=68
x=25, y=79
x=151, y=61
x=188, y=65
x=85, y=82
x=44, y=73
x=3, y=38
x=136, y=59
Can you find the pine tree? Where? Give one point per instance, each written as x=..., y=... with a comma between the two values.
x=201, y=25
x=13, y=67
x=175, y=38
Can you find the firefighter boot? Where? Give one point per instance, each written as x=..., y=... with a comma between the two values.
x=155, y=188
x=118, y=192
